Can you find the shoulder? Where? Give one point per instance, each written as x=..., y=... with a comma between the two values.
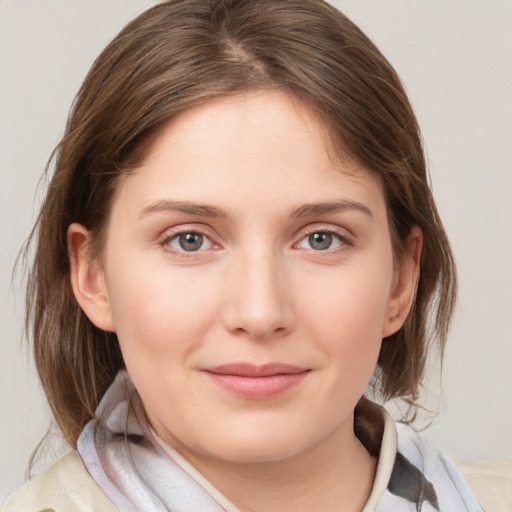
x=491, y=481
x=66, y=486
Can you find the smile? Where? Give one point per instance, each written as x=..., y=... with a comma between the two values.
x=257, y=382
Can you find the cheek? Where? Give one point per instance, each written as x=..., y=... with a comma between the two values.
x=156, y=313
x=346, y=317
x=354, y=302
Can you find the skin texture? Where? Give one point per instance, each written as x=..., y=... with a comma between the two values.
x=258, y=290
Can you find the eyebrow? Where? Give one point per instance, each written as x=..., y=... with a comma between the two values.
x=187, y=207
x=307, y=210
x=203, y=210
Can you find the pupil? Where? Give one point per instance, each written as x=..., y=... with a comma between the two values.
x=320, y=241
x=191, y=241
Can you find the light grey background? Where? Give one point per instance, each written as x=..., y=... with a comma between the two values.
x=455, y=59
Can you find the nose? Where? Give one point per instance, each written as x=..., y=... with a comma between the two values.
x=260, y=297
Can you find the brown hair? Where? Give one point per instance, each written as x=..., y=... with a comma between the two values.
x=185, y=52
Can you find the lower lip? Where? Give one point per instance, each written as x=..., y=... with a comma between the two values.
x=258, y=387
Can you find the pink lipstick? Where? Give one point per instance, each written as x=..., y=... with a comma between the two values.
x=256, y=381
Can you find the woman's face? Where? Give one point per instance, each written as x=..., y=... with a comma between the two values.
x=250, y=280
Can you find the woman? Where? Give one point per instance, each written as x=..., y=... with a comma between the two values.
x=238, y=238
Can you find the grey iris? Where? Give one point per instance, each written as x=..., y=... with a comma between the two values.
x=191, y=241
x=320, y=241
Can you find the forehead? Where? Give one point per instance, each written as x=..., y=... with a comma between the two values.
x=264, y=145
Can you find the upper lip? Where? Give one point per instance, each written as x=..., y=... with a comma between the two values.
x=254, y=370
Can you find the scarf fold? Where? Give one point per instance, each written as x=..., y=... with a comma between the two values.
x=121, y=454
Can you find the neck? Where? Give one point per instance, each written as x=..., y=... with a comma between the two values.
x=336, y=470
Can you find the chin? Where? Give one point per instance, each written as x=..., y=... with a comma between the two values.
x=258, y=452
x=257, y=446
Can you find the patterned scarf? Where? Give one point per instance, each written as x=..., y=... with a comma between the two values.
x=138, y=473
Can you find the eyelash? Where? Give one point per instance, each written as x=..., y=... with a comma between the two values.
x=345, y=241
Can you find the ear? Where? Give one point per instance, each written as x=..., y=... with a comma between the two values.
x=88, y=279
x=405, y=281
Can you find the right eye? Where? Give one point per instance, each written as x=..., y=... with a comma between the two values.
x=189, y=241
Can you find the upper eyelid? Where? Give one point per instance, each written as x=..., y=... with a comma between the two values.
x=172, y=232
x=322, y=230
x=340, y=231
x=341, y=237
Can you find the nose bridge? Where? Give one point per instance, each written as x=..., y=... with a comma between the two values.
x=259, y=299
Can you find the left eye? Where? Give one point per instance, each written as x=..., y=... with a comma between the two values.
x=321, y=241
x=190, y=242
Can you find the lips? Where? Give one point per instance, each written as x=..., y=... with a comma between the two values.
x=256, y=381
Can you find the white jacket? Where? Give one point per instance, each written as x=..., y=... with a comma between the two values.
x=67, y=487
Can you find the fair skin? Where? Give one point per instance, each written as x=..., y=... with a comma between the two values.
x=250, y=280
